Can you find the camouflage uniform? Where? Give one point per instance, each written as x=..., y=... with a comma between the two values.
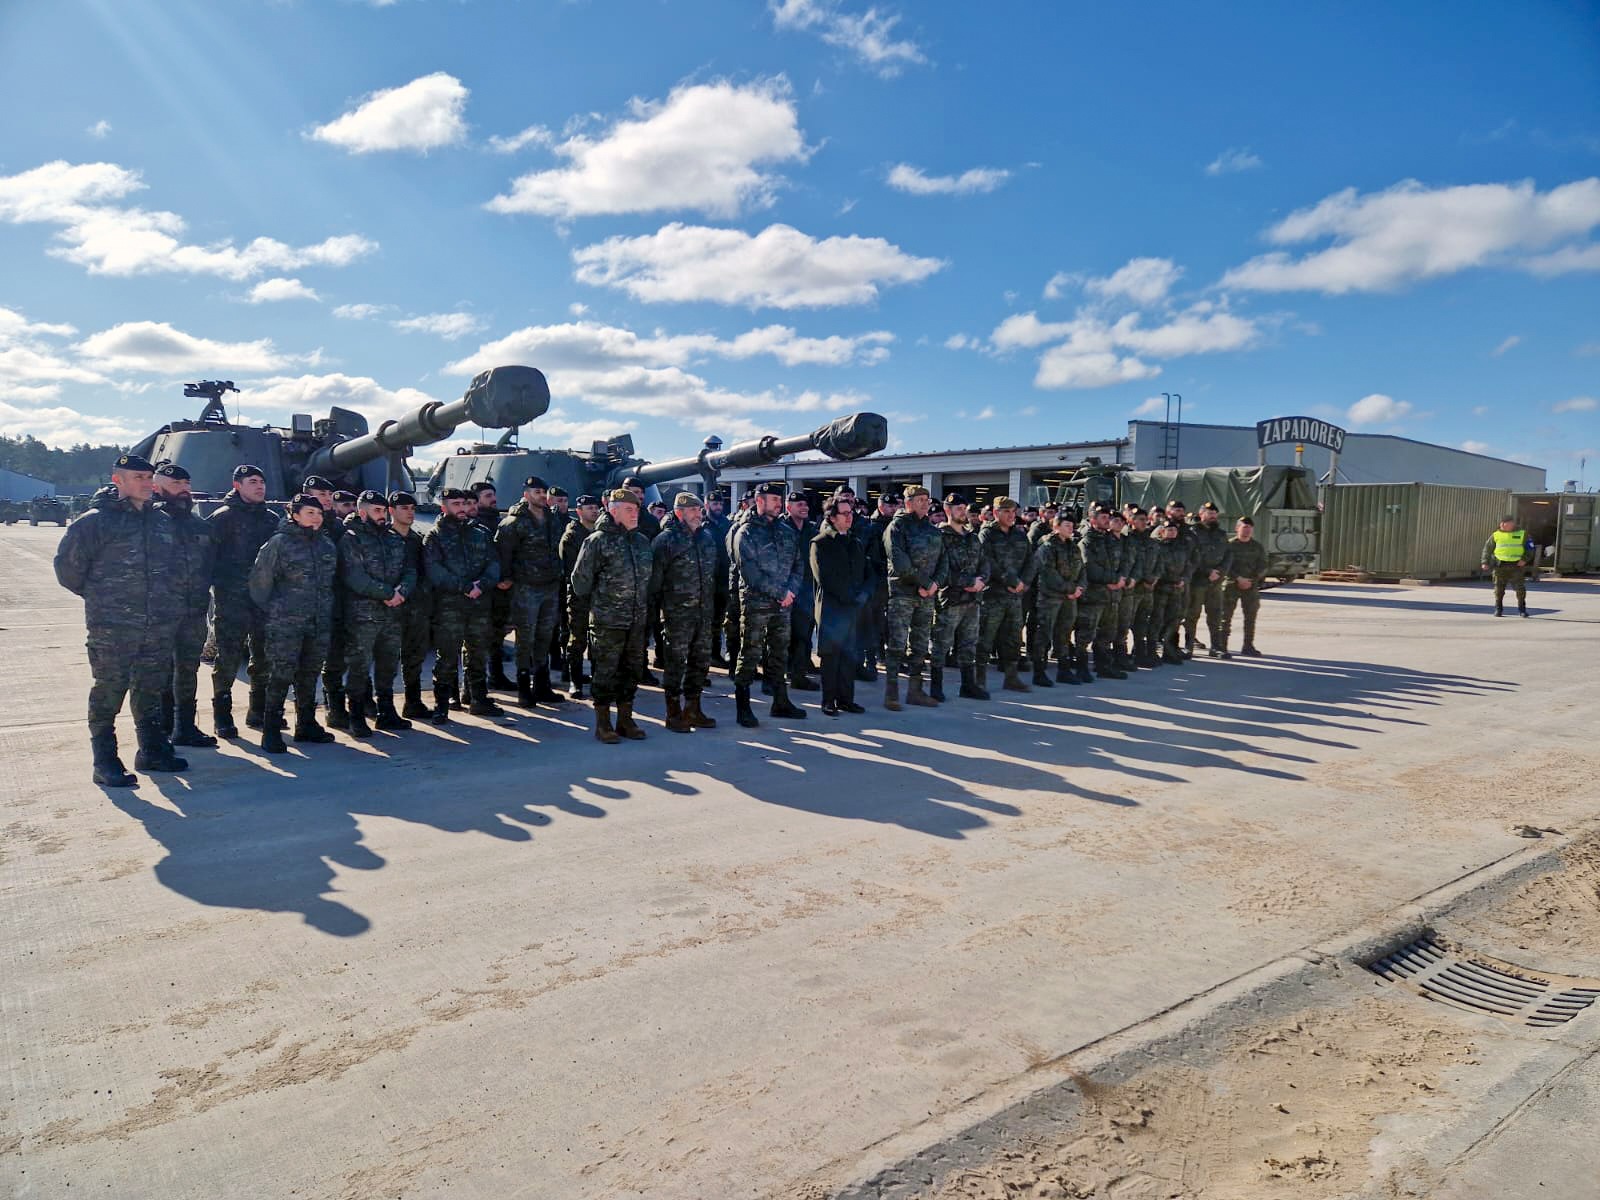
x=1124, y=602
x=1246, y=560
x=577, y=609
x=1173, y=569
x=374, y=563
x=292, y=581
x=874, y=613
x=240, y=530
x=802, y=616
x=1102, y=566
x=683, y=581
x=500, y=608
x=1010, y=558
x=766, y=557
x=914, y=548
x=335, y=665
x=1058, y=572
x=612, y=576
x=416, y=625
x=529, y=545
x=957, y=616
x=125, y=563
x=197, y=555
x=719, y=527
x=733, y=608
x=1140, y=595
x=1210, y=550
x=1038, y=530
x=458, y=553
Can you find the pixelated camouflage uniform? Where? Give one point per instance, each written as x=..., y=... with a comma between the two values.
x=529, y=545
x=374, y=563
x=958, y=613
x=612, y=575
x=766, y=559
x=197, y=557
x=1058, y=572
x=239, y=530
x=914, y=549
x=683, y=581
x=292, y=581
x=1209, y=548
x=577, y=608
x=1010, y=558
x=458, y=553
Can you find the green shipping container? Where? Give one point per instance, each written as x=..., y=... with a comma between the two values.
x=1565, y=526
x=1409, y=530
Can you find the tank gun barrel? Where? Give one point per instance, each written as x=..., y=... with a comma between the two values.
x=500, y=398
x=845, y=439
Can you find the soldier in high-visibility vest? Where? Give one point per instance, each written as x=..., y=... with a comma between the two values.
x=1507, y=553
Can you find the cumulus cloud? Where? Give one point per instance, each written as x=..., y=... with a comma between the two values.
x=1576, y=404
x=1057, y=284
x=869, y=36
x=358, y=312
x=780, y=267
x=270, y=291
x=702, y=149
x=63, y=427
x=275, y=397
x=1153, y=406
x=1510, y=343
x=533, y=135
x=1141, y=280
x=32, y=365
x=154, y=347
x=960, y=341
x=100, y=129
x=109, y=239
x=450, y=326
x=1472, y=447
x=421, y=115
x=1233, y=160
x=906, y=178
x=1089, y=351
x=1382, y=241
x=1378, y=409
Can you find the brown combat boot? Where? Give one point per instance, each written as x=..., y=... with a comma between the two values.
x=697, y=718
x=891, y=693
x=625, y=725
x=602, y=725
x=916, y=696
x=677, y=719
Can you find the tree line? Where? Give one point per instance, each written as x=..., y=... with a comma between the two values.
x=76, y=470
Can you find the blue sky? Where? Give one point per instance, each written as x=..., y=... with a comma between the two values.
x=997, y=224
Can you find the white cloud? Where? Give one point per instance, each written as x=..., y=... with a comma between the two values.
x=421, y=115
x=960, y=341
x=275, y=397
x=1064, y=367
x=1385, y=240
x=906, y=178
x=1480, y=410
x=1154, y=406
x=1472, y=447
x=446, y=325
x=156, y=347
x=986, y=413
x=1232, y=160
x=270, y=291
x=1057, y=284
x=1510, y=343
x=63, y=427
x=110, y=240
x=32, y=367
x=1576, y=404
x=1378, y=409
x=533, y=135
x=358, y=312
x=868, y=36
x=700, y=149
x=1141, y=280
x=780, y=267
x=1086, y=349
x=99, y=129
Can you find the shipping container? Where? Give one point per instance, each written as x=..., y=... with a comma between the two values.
x=1565, y=528
x=1409, y=530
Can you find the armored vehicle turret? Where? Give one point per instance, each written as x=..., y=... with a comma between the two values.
x=606, y=464
x=339, y=446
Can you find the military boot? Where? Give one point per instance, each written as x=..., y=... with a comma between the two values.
x=980, y=677
x=1067, y=671
x=801, y=682
x=272, y=732
x=891, y=692
x=677, y=719
x=186, y=732
x=108, y=768
x=1147, y=653
x=1219, y=643
x=1105, y=664
x=483, y=706
x=358, y=717
x=602, y=725
x=1523, y=609
x=936, y=683
x=1013, y=681
x=222, y=715
x=155, y=753
x=415, y=708
x=525, y=695
x=441, y=704
x=625, y=722
x=169, y=713
x=1499, y=609
x=969, y=689
x=1248, y=650
x=575, y=677
x=306, y=728
x=1125, y=661
x=338, y=714
x=916, y=697
x=497, y=675
x=542, y=691
x=1170, y=654
x=1080, y=662
x=692, y=711
x=1041, y=674
x=741, y=700
x=388, y=720
x=252, y=714
x=781, y=706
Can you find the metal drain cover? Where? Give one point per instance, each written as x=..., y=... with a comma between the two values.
x=1433, y=968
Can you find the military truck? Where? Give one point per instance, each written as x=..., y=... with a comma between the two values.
x=47, y=508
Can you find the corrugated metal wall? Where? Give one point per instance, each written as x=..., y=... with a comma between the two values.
x=1409, y=530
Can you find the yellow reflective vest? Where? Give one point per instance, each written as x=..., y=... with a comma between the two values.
x=1510, y=547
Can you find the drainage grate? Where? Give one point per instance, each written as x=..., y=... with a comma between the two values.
x=1484, y=985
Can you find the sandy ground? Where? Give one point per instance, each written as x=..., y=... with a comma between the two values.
x=502, y=960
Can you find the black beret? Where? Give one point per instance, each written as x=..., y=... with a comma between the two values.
x=171, y=470
x=483, y=485
x=247, y=471
x=344, y=497
x=402, y=498
x=317, y=483
x=633, y=481
x=132, y=462
x=797, y=496
x=457, y=494
x=890, y=498
x=533, y=481
x=1209, y=507
x=771, y=488
x=372, y=497
x=558, y=490
x=721, y=495
x=1176, y=504
x=1247, y=521
x=955, y=498
x=304, y=500
x=586, y=498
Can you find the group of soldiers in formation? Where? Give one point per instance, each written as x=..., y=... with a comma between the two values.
x=344, y=590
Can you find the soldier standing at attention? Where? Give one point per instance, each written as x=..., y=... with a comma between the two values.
x=683, y=581
x=875, y=611
x=1247, y=570
x=292, y=581
x=321, y=490
x=1508, y=549
x=1058, y=575
x=197, y=556
x=416, y=614
x=378, y=580
x=838, y=563
x=528, y=540
x=802, y=617
x=1173, y=571
x=915, y=550
x=462, y=569
x=1102, y=574
x=122, y=557
x=612, y=575
x=766, y=555
x=1142, y=586
x=717, y=522
x=963, y=578
x=1007, y=551
x=344, y=507
x=588, y=514
x=240, y=528
x=1210, y=548
x=485, y=510
x=1122, y=629
x=556, y=659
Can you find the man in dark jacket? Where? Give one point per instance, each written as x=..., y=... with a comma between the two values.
x=766, y=557
x=528, y=540
x=240, y=528
x=838, y=569
x=583, y=524
x=963, y=578
x=915, y=550
x=197, y=556
x=462, y=569
x=683, y=585
x=1010, y=557
x=122, y=557
x=416, y=614
x=378, y=579
x=612, y=575
x=802, y=618
x=292, y=581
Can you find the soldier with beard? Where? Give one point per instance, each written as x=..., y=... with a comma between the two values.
x=613, y=575
x=588, y=515
x=462, y=568
x=485, y=510
x=963, y=577
x=528, y=541
x=766, y=555
x=377, y=580
x=292, y=581
x=416, y=614
x=197, y=556
x=683, y=583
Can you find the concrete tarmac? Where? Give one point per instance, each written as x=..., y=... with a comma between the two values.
x=500, y=959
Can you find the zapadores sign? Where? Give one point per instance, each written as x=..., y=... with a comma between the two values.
x=1308, y=430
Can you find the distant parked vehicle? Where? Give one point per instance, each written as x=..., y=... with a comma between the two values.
x=47, y=508
x=12, y=511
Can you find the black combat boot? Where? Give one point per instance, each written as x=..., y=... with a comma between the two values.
x=186, y=732
x=970, y=689
x=155, y=753
x=388, y=720
x=1125, y=661
x=108, y=768
x=1067, y=671
x=306, y=728
x=1105, y=664
x=575, y=677
x=1041, y=674
x=677, y=719
x=272, y=735
x=936, y=683
x=497, y=675
x=483, y=706
x=222, y=715
x=441, y=704
x=696, y=717
x=646, y=679
x=741, y=700
x=358, y=717
x=542, y=691
x=916, y=697
x=1499, y=609
x=781, y=707
x=414, y=707
x=865, y=671
x=602, y=725
x=1013, y=682
x=1170, y=654
x=1523, y=609
x=258, y=696
x=525, y=695
x=1248, y=650
x=338, y=714
x=625, y=722
x=801, y=682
